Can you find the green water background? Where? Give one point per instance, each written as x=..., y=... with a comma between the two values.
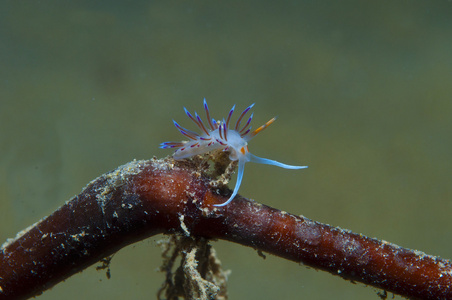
x=362, y=90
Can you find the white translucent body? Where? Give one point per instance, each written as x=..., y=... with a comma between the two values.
x=238, y=148
x=223, y=138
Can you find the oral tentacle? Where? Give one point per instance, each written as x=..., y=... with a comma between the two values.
x=266, y=161
x=240, y=170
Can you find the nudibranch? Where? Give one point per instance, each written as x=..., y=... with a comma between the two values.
x=218, y=135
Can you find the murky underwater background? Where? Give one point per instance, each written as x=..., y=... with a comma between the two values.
x=362, y=91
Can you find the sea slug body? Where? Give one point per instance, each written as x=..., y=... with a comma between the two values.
x=218, y=135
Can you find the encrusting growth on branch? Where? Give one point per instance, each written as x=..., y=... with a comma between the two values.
x=144, y=198
x=199, y=275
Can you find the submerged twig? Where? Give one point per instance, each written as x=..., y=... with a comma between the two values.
x=143, y=198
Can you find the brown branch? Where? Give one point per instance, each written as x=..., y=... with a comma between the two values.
x=144, y=198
